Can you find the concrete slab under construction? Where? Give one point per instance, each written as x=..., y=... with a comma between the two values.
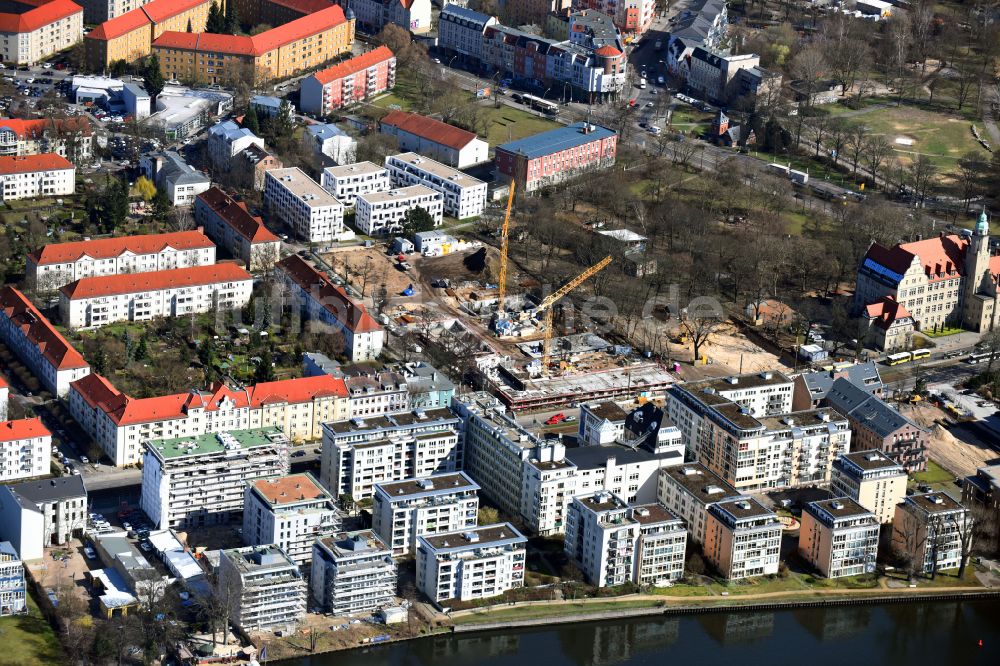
x=569, y=345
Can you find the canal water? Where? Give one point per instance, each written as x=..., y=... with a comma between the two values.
x=942, y=634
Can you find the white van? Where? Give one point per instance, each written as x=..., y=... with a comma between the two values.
x=642, y=84
x=654, y=130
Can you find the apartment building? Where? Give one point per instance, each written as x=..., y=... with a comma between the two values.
x=347, y=182
x=361, y=452
x=264, y=588
x=99, y=11
x=980, y=495
x=614, y=543
x=477, y=563
x=348, y=82
x=37, y=343
x=34, y=30
x=226, y=140
x=93, y=302
x=742, y=538
x=72, y=138
x=353, y=572
x=689, y=490
x=408, y=509
x=130, y=36
x=463, y=196
x=871, y=479
x=394, y=388
x=606, y=423
x=839, y=537
x=290, y=511
x=196, y=481
x=249, y=168
x=460, y=32
x=172, y=174
x=31, y=176
x=812, y=388
x=300, y=202
x=383, y=213
x=704, y=23
x=557, y=155
x=25, y=449
x=327, y=303
x=721, y=78
x=120, y=424
x=13, y=591
x=632, y=17
x=411, y=15
x=877, y=425
x=244, y=236
x=44, y=512
x=58, y=264
x=928, y=531
x=450, y=145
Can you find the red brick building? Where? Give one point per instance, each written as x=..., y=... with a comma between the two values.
x=557, y=155
x=351, y=81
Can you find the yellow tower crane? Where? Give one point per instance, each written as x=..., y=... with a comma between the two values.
x=504, y=244
x=551, y=300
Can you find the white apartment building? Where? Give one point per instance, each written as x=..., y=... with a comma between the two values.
x=194, y=481
x=121, y=424
x=839, y=537
x=226, y=140
x=928, y=530
x=39, y=30
x=290, y=511
x=689, y=490
x=13, y=591
x=93, y=302
x=381, y=213
x=352, y=572
x=434, y=138
x=614, y=543
x=72, y=138
x=264, y=588
x=43, y=512
x=36, y=342
x=359, y=453
x=25, y=449
x=314, y=214
x=373, y=393
x=463, y=196
x=872, y=479
x=476, y=563
x=32, y=176
x=405, y=510
x=742, y=538
x=229, y=223
x=58, y=264
x=327, y=303
x=347, y=182
x=460, y=30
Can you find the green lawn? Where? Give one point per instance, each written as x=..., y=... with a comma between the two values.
x=29, y=639
x=934, y=474
x=507, y=124
x=941, y=333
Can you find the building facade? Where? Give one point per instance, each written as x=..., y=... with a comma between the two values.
x=689, y=490
x=41, y=513
x=555, y=156
x=177, y=178
x=37, y=29
x=352, y=572
x=130, y=36
x=13, y=591
x=348, y=181
x=32, y=176
x=871, y=479
x=229, y=223
x=411, y=15
x=408, y=509
x=476, y=563
x=346, y=83
x=460, y=32
x=290, y=511
x=25, y=449
x=742, y=539
x=226, y=140
x=383, y=213
x=462, y=196
x=297, y=200
x=839, y=537
x=264, y=588
x=72, y=138
x=437, y=140
x=931, y=532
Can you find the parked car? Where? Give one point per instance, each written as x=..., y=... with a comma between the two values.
x=555, y=418
x=89, y=553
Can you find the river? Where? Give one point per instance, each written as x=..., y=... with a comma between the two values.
x=941, y=634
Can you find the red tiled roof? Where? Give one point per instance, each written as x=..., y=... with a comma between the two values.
x=159, y=11
x=35, y=128
x=356, y=64
x=22, y=429
x=294, y=391
x=39, y=331
x=607, y=50
x=939, y=252
x=44, y=13
x=428, y=128
x=354, y=316
x=119, y=25
x=886, y=312
x=95, y=390
x=303, y=6
x=178, y=40
x=131, y=283
x=30, y=163
x=288, y=489
x=106, y=248
x=236, y=215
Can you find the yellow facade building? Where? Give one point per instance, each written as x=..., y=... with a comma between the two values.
x=130, y=37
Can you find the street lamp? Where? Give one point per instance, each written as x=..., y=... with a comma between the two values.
x=452, y=60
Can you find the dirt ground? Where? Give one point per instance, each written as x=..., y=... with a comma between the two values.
x=353, y=264
x=728, y=350
x=958, y=457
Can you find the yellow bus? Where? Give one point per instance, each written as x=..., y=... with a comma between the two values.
x=896, y=359
x=921, y=353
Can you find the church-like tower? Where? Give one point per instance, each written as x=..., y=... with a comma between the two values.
x=979, y=285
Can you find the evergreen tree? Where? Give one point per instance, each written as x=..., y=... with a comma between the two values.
x=216, y=22
x=161, y=206
x=190, y=28
x=283, y=125
x=115, y=204
x=250, y=120
x=265, y=369
x=152, y=77
x=417, y=219
x=142, y=351
x=232, y=18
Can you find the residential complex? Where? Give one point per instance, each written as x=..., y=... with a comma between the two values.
x=552, y=157
x=742, y=538
x=728, y=79
x=408, y=509
x=332, y=143
x=263, y=588
x=633, y=17
x=25, y=449
x=477, y=563
x=37, y=343
x=352, y=572
x=689, y=490
x=297, y=200
x=703, y=24
x=437, y=140
x=463, y=196
x=346, y=83
x=290, y=511
x=871, y=479
x=812, y=388
x=13, y=591
x=383, y=213
x=323, y=301
x=347, y=182
x=34, y=30
x=460, y=32
x=92, y=302
x=839, y=537
x=929, y=530
x=36, y=514
x=244, y=236
x=411, y=15
x=614, y=543
x=361, y=452
x=226, y=140
x=195, y=481
x=249, y=168
x=130, y=36
x=171, y=173
x=72, y=138
x=99, y=11
x=58, y=264
x=394, y=388
x=32, y=176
